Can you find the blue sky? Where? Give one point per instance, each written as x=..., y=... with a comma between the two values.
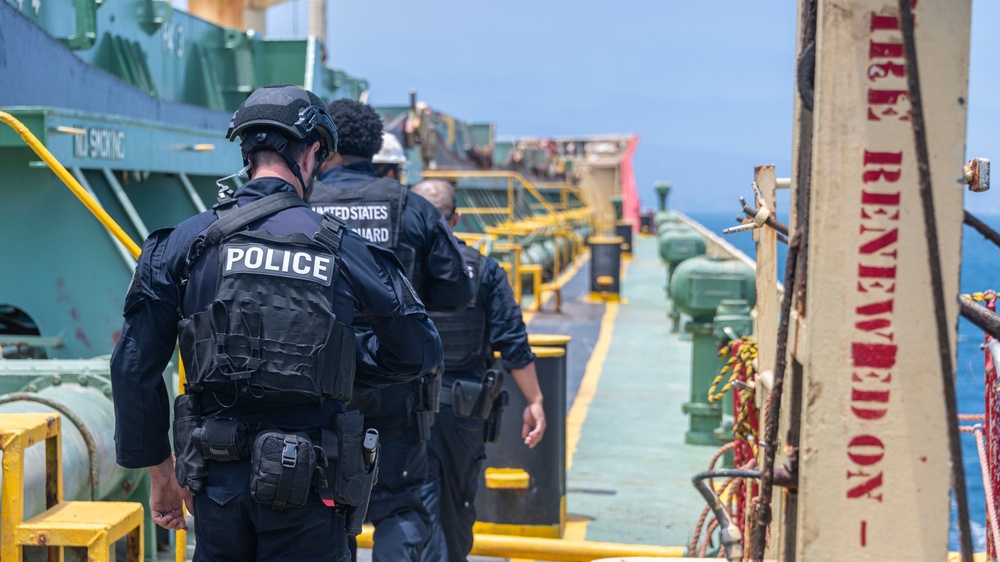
x=706, y=85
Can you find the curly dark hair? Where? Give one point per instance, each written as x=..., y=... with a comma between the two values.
x=359, y=127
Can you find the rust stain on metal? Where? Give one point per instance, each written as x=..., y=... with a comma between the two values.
x=41, y=539
x=815, y=391
x=80, y=335
x=839, y=13
x=133, y=543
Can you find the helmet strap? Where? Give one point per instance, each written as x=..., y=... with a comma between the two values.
x=298, y=173
x=277, y=143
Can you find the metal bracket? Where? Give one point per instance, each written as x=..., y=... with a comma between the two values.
x=977, y=174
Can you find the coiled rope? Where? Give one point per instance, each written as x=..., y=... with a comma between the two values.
x=982, y=297
x=742, y=363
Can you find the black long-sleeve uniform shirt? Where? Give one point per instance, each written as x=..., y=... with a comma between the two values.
x=402, y=344
x=445, y=281
x=504, y=325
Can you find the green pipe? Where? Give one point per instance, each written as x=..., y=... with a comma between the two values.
x=83, y=399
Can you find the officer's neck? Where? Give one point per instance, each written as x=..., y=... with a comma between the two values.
x=339, y=159
x=275, y=170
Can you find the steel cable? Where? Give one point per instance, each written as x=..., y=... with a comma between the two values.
x=937, y=283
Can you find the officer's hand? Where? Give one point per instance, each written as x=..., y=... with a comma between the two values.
x=167, y=497
x=534, y=424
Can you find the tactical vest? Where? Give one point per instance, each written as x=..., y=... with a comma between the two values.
x=270, y=332
x=375, y=211
x=462, y=333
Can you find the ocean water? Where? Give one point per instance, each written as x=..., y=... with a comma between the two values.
x=980, y=271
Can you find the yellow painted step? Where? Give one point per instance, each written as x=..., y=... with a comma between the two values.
x=95, y=525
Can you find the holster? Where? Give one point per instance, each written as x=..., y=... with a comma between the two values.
x=423, y=408
x=346, y=473
x=355, y=515
x=431, y=392
x=190, y=467
x=495, y=417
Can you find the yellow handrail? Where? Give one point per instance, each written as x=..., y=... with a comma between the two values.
x=458, y=174
x=63, y=174
x=566, y=188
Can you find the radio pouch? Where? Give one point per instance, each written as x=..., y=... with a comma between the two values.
x=190, y=467
x=281, y=469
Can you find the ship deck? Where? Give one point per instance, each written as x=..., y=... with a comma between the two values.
x=628, y=470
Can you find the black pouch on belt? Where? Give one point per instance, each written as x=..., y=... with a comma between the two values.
x=421, y=421
x=281, y=469
x=464, y=396
x=191, y=468
x=475, y=400
x=223, y=439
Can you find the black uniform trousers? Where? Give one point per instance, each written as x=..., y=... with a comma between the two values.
x=400, y=518
x=312, y=532
x=455, y=460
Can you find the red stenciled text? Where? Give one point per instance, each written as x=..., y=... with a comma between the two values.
x=873, y=345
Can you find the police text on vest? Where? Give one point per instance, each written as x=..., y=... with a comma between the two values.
x=258, y=259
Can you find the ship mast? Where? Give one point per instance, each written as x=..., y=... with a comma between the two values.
x=317, y=22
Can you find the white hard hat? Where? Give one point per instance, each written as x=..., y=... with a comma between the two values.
x=391, y=151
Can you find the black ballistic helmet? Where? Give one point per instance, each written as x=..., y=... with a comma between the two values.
x=272, y=114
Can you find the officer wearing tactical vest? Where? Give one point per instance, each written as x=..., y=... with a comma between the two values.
x=260, y=291
x=472, y=399
x=383, y=210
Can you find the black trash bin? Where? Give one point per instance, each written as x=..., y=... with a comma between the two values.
x=522, y=491
x=549, y=340
x=646, y=223
x=605, y=267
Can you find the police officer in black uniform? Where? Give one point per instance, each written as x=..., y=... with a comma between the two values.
x=385, y=212
x=471, y=401
x=260, y=291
